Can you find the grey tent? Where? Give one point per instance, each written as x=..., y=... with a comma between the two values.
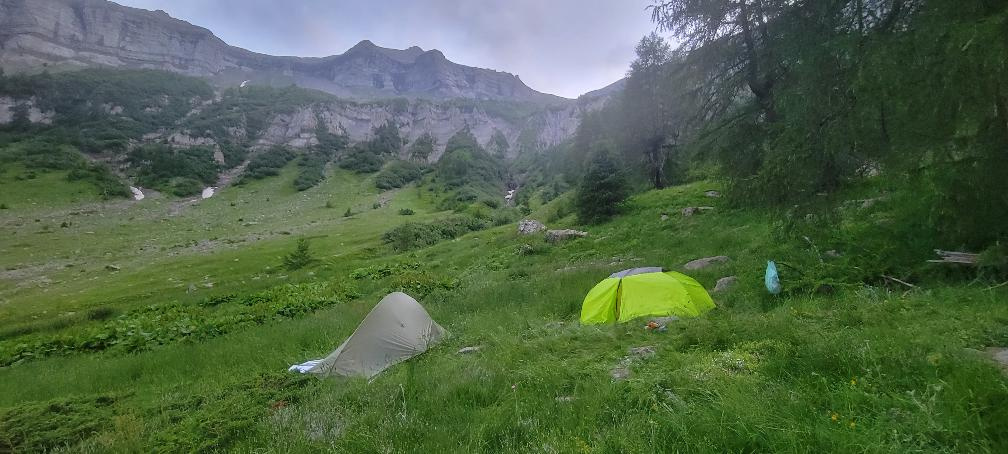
x=398, y=328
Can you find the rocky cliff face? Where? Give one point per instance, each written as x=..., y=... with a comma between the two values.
x=535, y=132
x=35, y=33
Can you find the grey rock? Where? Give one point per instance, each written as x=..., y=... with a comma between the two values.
x=468, y=350
x=620, y=373
x=664, y=217
x=690, y=211
x=530, y=226
x=1000, y=356
x=556, y=236
x=112, y=267
x=644, y=352
x=725, y=283
x=705, y=262
x=712, y=194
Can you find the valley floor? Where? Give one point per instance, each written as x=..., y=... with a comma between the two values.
x=862, y=369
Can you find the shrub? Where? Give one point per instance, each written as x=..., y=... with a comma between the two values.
x=267, y=164
x=361, y=159
x=311, y=171
x=159, y=165
x=414, y=235
x=406, y=212
x=397, y=174
x=184, y=187
x=101, y=313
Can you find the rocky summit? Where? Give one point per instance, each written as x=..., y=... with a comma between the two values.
x=62, y=33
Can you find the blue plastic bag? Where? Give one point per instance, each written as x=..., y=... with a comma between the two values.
x=772, y=279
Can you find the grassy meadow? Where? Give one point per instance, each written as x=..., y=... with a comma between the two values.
x=883, y=368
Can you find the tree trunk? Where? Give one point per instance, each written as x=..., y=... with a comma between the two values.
x=762, y=89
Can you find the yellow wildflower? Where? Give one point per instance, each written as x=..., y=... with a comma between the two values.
x=852, y=424
x=835, y=417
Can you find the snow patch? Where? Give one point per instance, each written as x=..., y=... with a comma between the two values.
x=209, y=192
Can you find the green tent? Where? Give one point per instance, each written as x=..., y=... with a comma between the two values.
x=642, y=292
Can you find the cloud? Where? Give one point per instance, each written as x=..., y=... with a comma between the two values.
x=565, y=47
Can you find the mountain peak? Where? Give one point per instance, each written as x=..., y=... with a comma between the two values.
x=364, y=44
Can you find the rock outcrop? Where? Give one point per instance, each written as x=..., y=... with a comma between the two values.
x=705, y=262
x=357, y=120
x=556, y=236
x=530, y=226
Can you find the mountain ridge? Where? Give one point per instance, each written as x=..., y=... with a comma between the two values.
x=40, y=33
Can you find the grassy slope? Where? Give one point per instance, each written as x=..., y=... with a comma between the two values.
x=757, y=374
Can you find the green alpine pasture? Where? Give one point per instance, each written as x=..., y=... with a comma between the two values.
x=168, y=325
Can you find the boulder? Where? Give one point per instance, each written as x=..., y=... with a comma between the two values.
x=725, y=283
x=712, y=194
x=112, y=267
x=1000, y=356
x=646, y=351
x=556, y=236
x=705, y=262
x=690, y=211
x=664, y=217
x=530, y=226
x=467, y=350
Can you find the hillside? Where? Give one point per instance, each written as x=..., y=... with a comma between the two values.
x=74, y=33
x=179, y=369
x=117, y=118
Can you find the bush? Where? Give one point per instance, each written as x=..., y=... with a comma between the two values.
x=414, y=235
x=184, y=187
x=397, y=174
x=311, y=171
x=361, y=159
x=159, y=165
x=406, y=212
x=267, y=164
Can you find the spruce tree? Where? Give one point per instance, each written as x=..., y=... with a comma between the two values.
x=602, y=190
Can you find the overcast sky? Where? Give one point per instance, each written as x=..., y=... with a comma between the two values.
x=563, y=47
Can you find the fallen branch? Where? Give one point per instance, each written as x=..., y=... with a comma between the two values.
x=899, y=281
x=997, y=286
x=964, y=258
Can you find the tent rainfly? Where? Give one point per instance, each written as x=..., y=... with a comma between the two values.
x=398, y=328
x=642, y=292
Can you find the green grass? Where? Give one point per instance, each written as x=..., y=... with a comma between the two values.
x=756, y=374
x=44, y=190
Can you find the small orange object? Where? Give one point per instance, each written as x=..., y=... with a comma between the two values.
x=651, y=325
x=278, y=404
